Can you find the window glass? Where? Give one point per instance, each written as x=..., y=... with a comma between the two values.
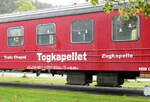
x=82, y=31
x=125, y=30
x=15, y=36
x=46, y=34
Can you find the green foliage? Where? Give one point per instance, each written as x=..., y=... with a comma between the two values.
x=132, y=7
x=93, y=2
x=9, y=6
x=24, y=5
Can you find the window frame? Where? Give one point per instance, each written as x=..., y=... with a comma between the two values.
x=138, y=31
x=45, y=34
x=86, y=41
x=16, y=27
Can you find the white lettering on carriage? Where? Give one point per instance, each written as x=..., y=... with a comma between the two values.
x=116, y=56
x=74, y=56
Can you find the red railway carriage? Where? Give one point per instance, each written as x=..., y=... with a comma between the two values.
x=79, y=41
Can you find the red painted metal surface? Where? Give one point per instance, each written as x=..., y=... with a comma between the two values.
x=101, y=55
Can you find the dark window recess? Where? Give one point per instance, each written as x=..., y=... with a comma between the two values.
x=15, y=36
x=46, y=34
x=125, y=30
x=82, y=31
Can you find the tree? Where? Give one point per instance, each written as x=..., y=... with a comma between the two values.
x=40, y=5
x=24, y=5
x=127, y=7
x=9, y=6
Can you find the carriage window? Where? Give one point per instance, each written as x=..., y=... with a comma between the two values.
x=15, y=36
x=125, y=30
x=82, y=31
x=46, y=34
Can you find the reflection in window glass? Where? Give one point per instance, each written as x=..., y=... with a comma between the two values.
x=15, y=36
x=46, y=34
x=82, y=31
x=125, y=30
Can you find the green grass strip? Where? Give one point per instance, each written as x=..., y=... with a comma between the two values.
x=31, y=95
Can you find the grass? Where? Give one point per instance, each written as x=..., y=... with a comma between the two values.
x=34, y=80
x=127, y=84
x=25, y=95
x=135, y=84
x=31, y=95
